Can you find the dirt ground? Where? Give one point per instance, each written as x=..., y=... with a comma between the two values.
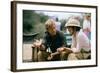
x=27, y=52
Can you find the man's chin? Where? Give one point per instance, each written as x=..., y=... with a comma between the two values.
x=53, y=34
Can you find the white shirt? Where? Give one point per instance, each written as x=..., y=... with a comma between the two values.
x=86, y=24
x=79, y=42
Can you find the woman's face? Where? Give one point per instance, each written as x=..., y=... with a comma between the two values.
x=71, y=30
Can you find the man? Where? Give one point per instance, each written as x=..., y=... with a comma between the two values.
x=54, y=40
x=87, y=25
x=80, y=42
x=58, y=25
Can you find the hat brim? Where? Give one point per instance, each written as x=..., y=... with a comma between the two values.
x=72, y=25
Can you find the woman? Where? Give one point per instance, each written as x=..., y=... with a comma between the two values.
x=80, y=42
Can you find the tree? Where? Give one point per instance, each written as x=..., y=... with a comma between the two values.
x=27, y=20
x=32, y=19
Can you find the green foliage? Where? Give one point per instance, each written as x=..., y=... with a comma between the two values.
x=32, y=19
x=43, y=18
x=27, y=20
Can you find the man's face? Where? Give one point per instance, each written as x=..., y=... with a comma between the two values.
x=71, y=30
x=88, y=17
x=52, y=30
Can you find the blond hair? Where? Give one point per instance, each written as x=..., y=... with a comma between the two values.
x=49, y=23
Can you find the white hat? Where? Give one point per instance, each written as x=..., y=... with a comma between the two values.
x=73, y=22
